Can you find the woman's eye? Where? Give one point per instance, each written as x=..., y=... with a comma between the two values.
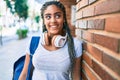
x=47, y=17
x=57, y=16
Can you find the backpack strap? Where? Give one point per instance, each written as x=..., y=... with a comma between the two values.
x=34, y=44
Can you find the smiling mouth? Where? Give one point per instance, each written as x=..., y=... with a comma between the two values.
x=54, y=27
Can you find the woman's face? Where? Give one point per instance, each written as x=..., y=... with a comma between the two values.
x=53, y=19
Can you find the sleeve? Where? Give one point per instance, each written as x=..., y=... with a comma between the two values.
x=78, y=47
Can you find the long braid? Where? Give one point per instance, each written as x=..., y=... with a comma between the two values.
x=71, y=49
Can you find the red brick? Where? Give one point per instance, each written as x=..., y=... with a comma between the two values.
x=84, y=76
x=92, y=1
x=87, y=59
x=97, y=24
x=108, y=42
x=79, y=14
x=89, y=72
x=91, y=24
x=113, y=24
x=68, y=2
x=95, y=52
x=112, y=63
x=78, y=33
x=87, y=36
x=108, y=6
x=83, y=24
x=77, y=24
x=89, y=11
x=101, y=71
x=78, y=6
x=83, y=3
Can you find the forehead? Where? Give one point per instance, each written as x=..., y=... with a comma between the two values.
x=51, y=9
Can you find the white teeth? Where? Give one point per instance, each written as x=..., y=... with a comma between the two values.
x=53, y=26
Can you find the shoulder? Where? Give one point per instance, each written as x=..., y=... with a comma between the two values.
x=78, y=46
x=77, y=41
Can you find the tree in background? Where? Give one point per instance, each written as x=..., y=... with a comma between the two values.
x=37, y=18
x=9, y=5
x=20, y=7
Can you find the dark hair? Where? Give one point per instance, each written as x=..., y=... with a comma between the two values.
x=65, y=27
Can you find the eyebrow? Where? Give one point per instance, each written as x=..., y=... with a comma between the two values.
x=54, y=13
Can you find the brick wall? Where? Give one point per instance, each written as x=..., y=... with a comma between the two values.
x=98, y=25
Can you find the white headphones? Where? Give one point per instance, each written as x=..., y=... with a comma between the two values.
x=57, y=40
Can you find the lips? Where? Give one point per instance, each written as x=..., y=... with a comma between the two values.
x=54, y=27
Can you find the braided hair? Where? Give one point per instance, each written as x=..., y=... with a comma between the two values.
x=71, y=49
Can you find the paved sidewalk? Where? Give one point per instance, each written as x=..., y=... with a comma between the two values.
x=9, y=53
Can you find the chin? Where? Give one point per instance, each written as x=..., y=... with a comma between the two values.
x=54, y=32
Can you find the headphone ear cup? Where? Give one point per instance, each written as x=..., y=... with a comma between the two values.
x=59, y=41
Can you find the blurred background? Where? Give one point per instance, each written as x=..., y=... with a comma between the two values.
x=19, y=17
x=95, y=22
x=19, y=20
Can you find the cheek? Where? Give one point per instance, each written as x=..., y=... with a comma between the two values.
x=61, y=23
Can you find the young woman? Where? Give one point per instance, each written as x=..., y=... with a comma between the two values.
x=58, y=54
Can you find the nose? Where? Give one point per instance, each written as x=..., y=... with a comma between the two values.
x=53, y=19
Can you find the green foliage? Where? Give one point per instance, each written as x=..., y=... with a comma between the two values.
x=21, y=8
x=9, y=5
x=37, y=19
x=22, y=33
